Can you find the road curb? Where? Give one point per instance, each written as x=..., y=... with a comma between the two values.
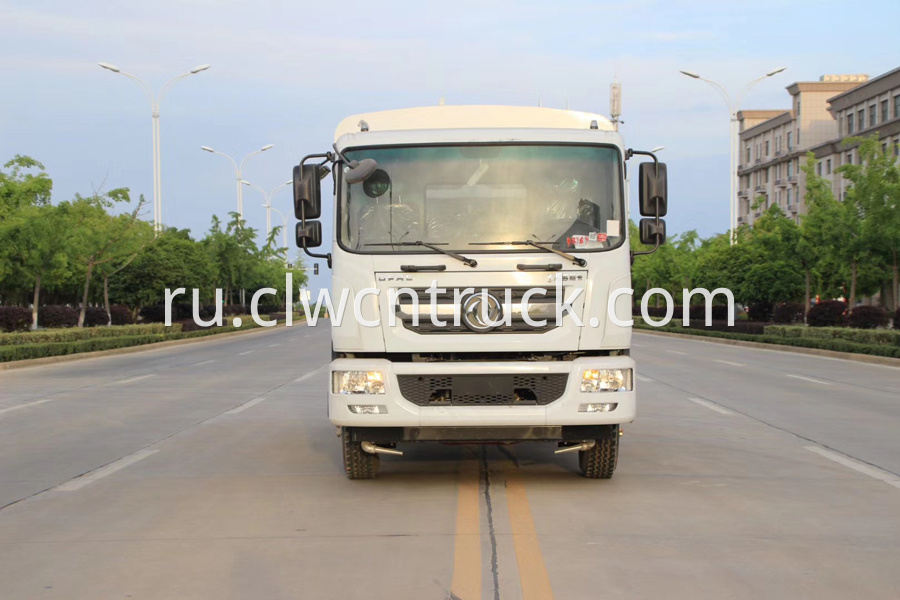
x=49, y=360
x=863, y=358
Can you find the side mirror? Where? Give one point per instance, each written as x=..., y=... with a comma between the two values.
x=309, y=234
x=307, y=191
x=653, y=189
x=650, y=232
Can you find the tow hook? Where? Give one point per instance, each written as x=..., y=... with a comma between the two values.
x=373, y=449
x=578, y=447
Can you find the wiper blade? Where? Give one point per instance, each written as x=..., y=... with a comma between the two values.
x=467, y=261
x=540, y=245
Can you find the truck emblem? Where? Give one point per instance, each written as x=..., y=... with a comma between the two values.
x=474, y=312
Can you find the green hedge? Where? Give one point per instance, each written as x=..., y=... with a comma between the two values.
x=836, y=345
x=47, y=336
x=860, y=336
x=26, y=351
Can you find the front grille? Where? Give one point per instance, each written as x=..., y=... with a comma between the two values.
x=404, y=310
x=482, y=390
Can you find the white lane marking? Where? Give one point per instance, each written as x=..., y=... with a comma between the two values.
x=133, y=379
x=205, y=362
x=274, y=345
x=728, y=362
x=89, y=478
x=644, y=378
x=243, y=353
x=27, y=405
x=677, y=352
x=308, y=375
x=810, y=379
x=244, y=406
x=711, y=406
x=874, y=472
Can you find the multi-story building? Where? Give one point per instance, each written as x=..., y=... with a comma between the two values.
x=873, y=107
x=772, y=144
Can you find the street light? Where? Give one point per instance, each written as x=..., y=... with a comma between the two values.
x=733, y=108
x=237, y=171
x=155, y=101
x=284, y=243
x=268, y=195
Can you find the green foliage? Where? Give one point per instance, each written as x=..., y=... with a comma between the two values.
x=74, y=334
x=860, y=336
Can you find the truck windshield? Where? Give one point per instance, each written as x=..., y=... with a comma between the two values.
x=467, y=196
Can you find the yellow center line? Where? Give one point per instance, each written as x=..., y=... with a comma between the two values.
x=532, y=570
x=466, y=583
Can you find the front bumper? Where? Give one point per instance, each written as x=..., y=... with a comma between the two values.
x=403, y=413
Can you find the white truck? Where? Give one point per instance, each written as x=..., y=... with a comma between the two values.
x=460, y=232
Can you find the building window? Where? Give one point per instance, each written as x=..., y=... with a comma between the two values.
x=767, y=148
x=748, y=154
x=828, y=167
x=790, y=141
x=850, y=123
x=790, y=169
x=819, y=169
x=885, y=114
x=848, y=160
x=798, y=137
x=861, y=119
x=767, y=174
x=872, y=116
x=897, y=106
x=789, y=197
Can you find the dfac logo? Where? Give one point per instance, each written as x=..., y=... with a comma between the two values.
x=481, y=312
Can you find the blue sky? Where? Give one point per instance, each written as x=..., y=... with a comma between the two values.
x=286, y=72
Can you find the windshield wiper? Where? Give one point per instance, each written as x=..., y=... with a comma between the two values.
x=471, y=262
x=575, y=260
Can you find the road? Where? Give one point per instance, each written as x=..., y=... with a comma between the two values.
x=209, y=471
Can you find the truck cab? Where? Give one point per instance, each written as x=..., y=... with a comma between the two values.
x=480, y=248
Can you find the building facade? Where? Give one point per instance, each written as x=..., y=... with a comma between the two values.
x=773, y=144
x=870, y=108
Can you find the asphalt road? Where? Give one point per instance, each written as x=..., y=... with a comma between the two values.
x=210, y=471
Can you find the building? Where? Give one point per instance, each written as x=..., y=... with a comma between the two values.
x=773, y=143
x=873, y=107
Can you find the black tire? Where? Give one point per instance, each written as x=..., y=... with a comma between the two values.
x=600, y=461
x=357, y=463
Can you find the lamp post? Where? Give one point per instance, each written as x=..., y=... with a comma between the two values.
x=284, y=243
x=733, y=108
x=238, y=167
x=155, y=100
x=268, y=196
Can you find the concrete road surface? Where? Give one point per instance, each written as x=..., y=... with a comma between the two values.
x=210, y=471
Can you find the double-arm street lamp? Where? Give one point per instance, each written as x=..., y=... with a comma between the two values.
x=733, y=108
x=269, y=208
x=238, y=168
x=155, y=100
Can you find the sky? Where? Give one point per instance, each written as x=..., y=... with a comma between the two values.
x=285, y=73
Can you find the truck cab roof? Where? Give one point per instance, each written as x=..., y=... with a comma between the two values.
x=469, y=118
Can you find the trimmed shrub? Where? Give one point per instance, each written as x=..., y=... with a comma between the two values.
x=868, y=317
x=15, y=318
x=74, y=334
x=760, y=312
x=269, y=308
x=829, y=313
x=121, y=315
x=230, y=310
x=95, y=316
x=788, y=312
x=53, y=316
x=861, y=336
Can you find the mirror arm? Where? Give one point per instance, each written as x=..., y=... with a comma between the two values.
x=652, y=250
x=631, y=152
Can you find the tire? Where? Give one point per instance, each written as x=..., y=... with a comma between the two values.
x=600, y=461
x=357, y=464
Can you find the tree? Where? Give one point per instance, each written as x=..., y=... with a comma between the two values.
x=99, y=233
x=876, y=192
x=21, y=187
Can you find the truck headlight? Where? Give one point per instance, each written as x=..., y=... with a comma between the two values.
x=357, y=382
x=606, y=380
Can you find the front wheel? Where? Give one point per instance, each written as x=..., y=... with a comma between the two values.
x=599, y=461
x=358, y=464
